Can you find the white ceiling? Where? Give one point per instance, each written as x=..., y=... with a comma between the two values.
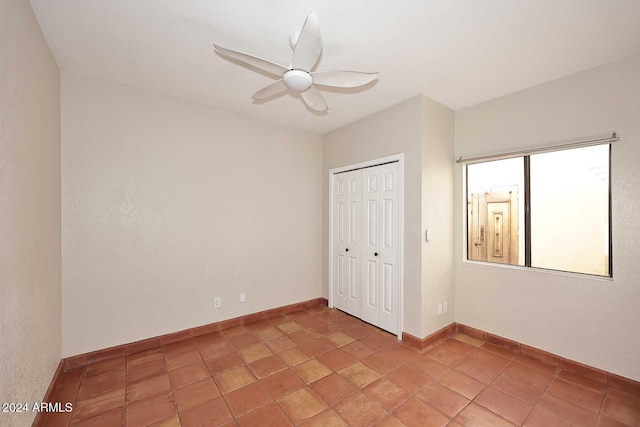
x=459, y=53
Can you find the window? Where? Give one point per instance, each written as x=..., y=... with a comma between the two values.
x=548, y=210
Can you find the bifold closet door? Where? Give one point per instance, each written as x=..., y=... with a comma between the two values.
x=381, y=254
x=347, y=241
x=366, y=253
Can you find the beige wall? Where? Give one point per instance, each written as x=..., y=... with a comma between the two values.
x=437, y=215
x=30, y=288
x=594, y=321
x=167, y=204
x=422, y=129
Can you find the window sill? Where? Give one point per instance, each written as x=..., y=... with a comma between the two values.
x=540, y=270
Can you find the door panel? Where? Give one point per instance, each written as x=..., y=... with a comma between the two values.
x=367, y=256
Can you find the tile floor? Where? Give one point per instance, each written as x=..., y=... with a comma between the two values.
x=320, y=367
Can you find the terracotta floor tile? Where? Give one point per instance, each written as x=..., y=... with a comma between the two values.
x=211, y=413
x=179, y=347
x=105, y=366
x=581, y=396
x=241, y=341
x=622, y=411
x=137, y=359
x=443, y=399
x=358, y=349
x=417, y=413
x=181, y=360
x=341, y=339
x=461, y=384
x=499, y=351
x=427, y=366
x=382, y=363
x=582, y=381
x=168, y=422
x=360, y=411
x=280, y=344
x=607, y=421
x=196, y=394
x=479, y=371
x=148, y=387
x=267, y=416
x=392, y=421
x=98, y=405
x=267, y=366
x=268, y=333
x=504, y=405
x=359, y=374
x=380, y=340
x=234, y=379
x=188, y=375
x=536, y=364
x=336, y=359
x=255, y=352
x=282, y=383
x=623, y=396
x=311, y=370
x=459, y=347
x=301, y=404
x=56, y=419
x=566, y=410
x=100, y=384
x=526, y=374
x=468, y=340
x=71, y=376
x=333, y=388
x=401, y=353
x=476, y=415
x=409, y=379
x=324, y=330
x=526, y=392
x=303, y=336
x=445, y=357
x=489, y=359
x=247, y=399
x=540, y=418
x=290, y=327
x=148, y=411
x=65, y=394
x=212, y=338
x=318, y=347
x=223, y=363
x=360, y=331
x=112, y=419
x=140, y=372
x=293, y=356
x=326, y=418
x=388, y=394
x=214, y=349
x=236, y=330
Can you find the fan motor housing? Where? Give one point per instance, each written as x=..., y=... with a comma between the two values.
x=297, y=80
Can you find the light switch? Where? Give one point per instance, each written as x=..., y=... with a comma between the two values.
x=428, y=235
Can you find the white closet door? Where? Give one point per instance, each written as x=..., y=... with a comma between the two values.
x=347, y=249
x=381, y=255
x=366, y=277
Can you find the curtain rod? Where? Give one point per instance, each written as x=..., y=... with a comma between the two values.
x=613, y=138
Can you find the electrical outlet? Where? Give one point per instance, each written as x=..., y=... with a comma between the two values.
x=439, y=309
x=216, y=302
x=444, y=307
x=243, y=297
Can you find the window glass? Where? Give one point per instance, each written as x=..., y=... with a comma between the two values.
x=570, y=210
x=495, y=207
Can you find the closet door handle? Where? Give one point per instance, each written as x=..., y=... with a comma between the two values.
x=347, y=249
x=375, y=254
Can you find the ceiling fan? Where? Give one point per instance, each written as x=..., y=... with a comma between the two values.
x=298, y=77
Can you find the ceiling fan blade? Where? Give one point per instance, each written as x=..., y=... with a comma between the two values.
x=314, y=99
x=308, y=46
x=342, y=78
x=254, y=61
x=272, y=89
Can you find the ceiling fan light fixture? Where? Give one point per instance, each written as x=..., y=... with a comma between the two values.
x=297, y=80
